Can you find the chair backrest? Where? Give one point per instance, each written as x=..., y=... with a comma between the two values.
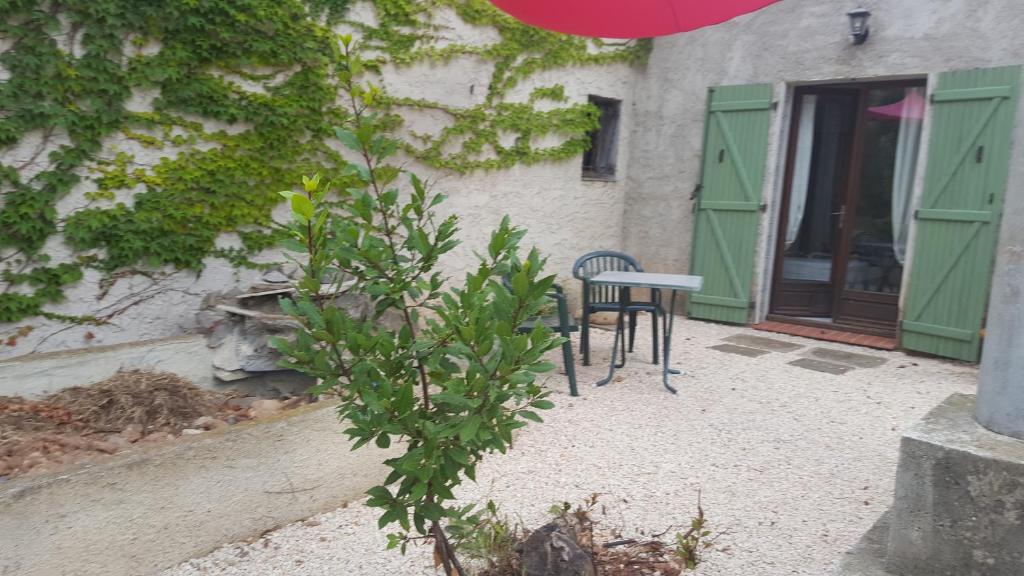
x=592, y=264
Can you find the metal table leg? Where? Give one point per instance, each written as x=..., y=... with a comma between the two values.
x=619, y=333
x=668, y=346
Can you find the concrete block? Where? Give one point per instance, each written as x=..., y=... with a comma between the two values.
x=762, y=342
x=959, y=502
x=36, y=375
x=821, y=366
x=739, y=350
x=843, y=357
x=158, y=505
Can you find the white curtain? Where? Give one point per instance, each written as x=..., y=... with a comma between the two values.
x=801, y=167
x=907, y=145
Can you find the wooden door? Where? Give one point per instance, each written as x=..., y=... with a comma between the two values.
x=729, y=202
x=852, y=158
x=871, y=259
x=957, y=225
x=817, y=170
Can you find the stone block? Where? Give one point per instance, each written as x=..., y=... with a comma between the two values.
x=821, y=366
x=739, y=350
x=959, y=502
x=160, y=503
x=772, y=344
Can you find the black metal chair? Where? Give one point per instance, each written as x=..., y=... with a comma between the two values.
x=560, y=322
x=606, y=298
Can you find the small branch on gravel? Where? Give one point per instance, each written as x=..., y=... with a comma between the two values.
x=294, y=491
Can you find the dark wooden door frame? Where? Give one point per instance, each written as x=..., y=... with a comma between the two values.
x=783, y=221
x=849, y=197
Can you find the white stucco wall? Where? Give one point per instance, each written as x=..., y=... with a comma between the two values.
x=647, y=212
x=790, y=43
x=565, y=215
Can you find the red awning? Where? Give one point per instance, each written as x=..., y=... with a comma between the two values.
x=627, y=18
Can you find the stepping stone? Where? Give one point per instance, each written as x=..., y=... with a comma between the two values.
x=821, y=366
x=739, y=350
x=843, y=357
x=763, y=343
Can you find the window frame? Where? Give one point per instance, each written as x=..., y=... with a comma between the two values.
x=600, y=161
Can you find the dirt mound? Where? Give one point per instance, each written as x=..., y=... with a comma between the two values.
x=104, y=418
x=150, y=400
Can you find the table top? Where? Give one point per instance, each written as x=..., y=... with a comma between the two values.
x=650, y=280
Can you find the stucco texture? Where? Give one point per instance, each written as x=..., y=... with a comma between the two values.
x=565, y=215
x=789, y=43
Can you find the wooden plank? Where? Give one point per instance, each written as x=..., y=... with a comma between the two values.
x=735, y=206
x=956, y=230
x=967, y=145
x=723, y=248
x=941, y=277
x=964, y=94
x=720, y=301
x=737, y=160
x=727, y=216
x=936, y=330
x=954, y=215
x=741, y=105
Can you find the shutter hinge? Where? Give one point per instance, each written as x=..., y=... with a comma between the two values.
x=752, y=305
x=696, y=191
x=775, y=104
x=917, y=214
x=763, y=207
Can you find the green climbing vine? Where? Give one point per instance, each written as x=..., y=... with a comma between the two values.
x=86, y=86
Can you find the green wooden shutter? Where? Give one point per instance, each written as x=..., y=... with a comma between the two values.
x=728, y=209
x=957, y=224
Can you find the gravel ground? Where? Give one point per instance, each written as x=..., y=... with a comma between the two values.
x=793, y=465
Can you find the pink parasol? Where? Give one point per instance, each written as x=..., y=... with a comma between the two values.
x=627, y=18
x=912, y=106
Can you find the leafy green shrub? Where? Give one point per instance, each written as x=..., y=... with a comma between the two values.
x=441, y=369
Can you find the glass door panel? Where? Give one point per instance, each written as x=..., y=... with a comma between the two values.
x=879, y=212
x=818, y=174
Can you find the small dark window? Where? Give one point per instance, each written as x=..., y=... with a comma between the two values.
x=599, y=160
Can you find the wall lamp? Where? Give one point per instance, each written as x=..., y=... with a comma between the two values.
x=859, y=25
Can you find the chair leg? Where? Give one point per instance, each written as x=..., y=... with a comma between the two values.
x=632, y=329
x=654, y=334
x=570, y=368
x=585, y=337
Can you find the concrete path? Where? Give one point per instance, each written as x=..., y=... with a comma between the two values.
x=793, y=463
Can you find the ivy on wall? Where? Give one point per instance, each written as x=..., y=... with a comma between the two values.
x=72, y=74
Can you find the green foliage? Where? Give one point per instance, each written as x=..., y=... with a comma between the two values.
x=691, y=545
x=487, y=538
x=266, y=68
x=454, y=379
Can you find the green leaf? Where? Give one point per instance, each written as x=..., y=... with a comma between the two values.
x=541, y=367
x=542, y=404
x=419, y=490
x=348, y=139
x=450, y=398
x=530, y=415
x=469, y=429
x=432, y=511
x=520, y=284
x=302, y=206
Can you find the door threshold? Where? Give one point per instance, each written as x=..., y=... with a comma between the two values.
x=828, y=332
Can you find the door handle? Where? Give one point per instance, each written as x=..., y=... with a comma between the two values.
x=842, y=216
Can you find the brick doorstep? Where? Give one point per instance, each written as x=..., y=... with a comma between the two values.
x=829, y=335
